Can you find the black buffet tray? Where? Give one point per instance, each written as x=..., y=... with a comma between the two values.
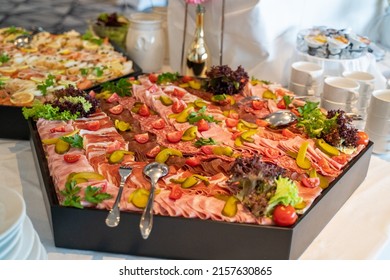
x=183, y=238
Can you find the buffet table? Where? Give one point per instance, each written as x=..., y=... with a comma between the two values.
x=359, y=230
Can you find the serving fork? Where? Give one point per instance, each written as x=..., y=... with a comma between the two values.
x=113, y=217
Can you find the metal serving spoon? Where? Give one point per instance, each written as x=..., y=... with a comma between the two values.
x=154, y=171
x=25, y=39
x=280, y=118
x=113, y=217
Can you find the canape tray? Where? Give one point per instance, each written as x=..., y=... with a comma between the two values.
x=183, y=238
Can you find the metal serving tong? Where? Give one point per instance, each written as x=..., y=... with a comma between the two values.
x=113, y=216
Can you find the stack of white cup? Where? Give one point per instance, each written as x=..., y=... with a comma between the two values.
x=366, y=87
x=340, y=93
x=306, y=78
x=378, y=121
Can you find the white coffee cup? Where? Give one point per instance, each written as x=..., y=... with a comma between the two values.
x=340, y=90
x=306, y=78
x=366, y=87
x=330, y=105
x=380, y=104
x=381, y=143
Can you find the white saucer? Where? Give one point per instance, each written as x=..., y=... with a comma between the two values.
x=12, y=211
x=35, y=252
x=12, y=245
x=22, y=249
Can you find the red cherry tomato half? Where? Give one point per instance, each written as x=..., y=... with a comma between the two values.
x=116, y=110
x=158, y=124
x=342, y=158
x=202, y=125
x=93, y=125
x=281, y=104
x=178, y=106
x=310, y=182
x=153, y=77
x=193, y=161
x=152, y=153
x=186, y=79
x=60, y=128
x=178, y=93
x=142, y=138
x=284, y=215
x=362, y=138
x=113, y=98
x=71, y=158
x=144, y=110
x=261, y=123
x=230, y=122
x=287, y=133
x=174, y=137
x=258, y=104
x=176, y=192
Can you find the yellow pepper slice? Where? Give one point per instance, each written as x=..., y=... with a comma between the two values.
x=84, y=176
x=163, y=155
x=199, y=103
x=61, y=147
x=50, y=141
x=194, y=84
x=223, y=150
x=118, y=155
x=190, y=133
x=189, y=182
x=301, y=159
x=139, y=197
x=122, y=125
x=327, y=148
x=166, y=100
x=269, y=94
x=230, y=208
x=247, y=135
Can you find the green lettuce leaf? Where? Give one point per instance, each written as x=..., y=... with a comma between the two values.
x=286, y=193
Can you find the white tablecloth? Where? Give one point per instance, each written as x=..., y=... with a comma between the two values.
x=359, y=230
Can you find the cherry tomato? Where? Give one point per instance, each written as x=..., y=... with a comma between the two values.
x=60, y=128
x=158, y=124
x=230, y=122
x=287, y=133
x=178, y=106
x=116, y=110
x=93, y=125
x=342, y=158
x=153, y=77
x=174, y=137
x=362, y=138
x=271, y=153
x=152, y=153
x=142, y=138
x=178, y=93
x=281, y=104
x=92, y=93
x=71, y=158
x=193, y=161
x=202, y=125
x=257, y=104
x=284, y=215
x=207, y=149
x=113, y=98
x=113, y=146
x=186, y=79
x=176, y=192
x=144, y=110
x=261, y=123
x=310, y=182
